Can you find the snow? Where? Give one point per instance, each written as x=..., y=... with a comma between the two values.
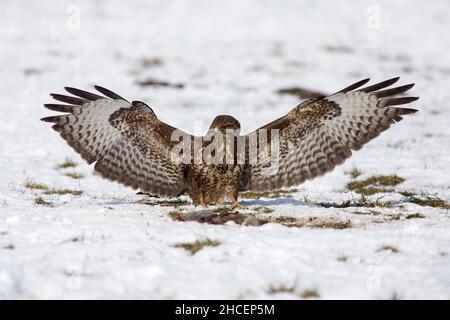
x=232, y=57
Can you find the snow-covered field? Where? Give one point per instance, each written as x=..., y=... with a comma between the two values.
x=232, y=57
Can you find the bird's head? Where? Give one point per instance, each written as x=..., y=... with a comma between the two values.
x=223, y=122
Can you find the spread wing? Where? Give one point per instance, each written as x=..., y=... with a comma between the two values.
x=127, y=142
x=321, y=133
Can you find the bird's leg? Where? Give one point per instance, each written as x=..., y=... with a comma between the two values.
x=235, y=202
x=202, y=201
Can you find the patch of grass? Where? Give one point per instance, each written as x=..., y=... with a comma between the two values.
x=77, y=239
x=151, y=62
x=163, y=203
x=368, y=212
x=373, y=190
x=302, y=93
x=41, y=201
x=415, y=216
x=264, y=209
x=390, y=249
x=9, y=247
x=407, y=69
x=159, y=83
x=331, y=224
x=312, y=222
x=173, y=203
x=400, y=144
x=267, y=194
x=429, y=201
x=354, y=173
x=194, y=247
x=338, y=48
x=284, y=219
x=30, y=184
x=390, y=180
x=377, y=203
x=425, y=200
x=408, y=194
x=343, y=204
x=361, y=202
x=68, y=163
x=374, y=184
x=63, y=191
x=74, y=175
x=394, y=216
x=281, y=288
x=295, y=63
x=309, y=293
x=31, y=71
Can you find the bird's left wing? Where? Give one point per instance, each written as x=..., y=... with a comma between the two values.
x=127, y=142
x=321, y=133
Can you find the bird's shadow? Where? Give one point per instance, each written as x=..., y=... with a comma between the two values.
x=244, y=203
x=113, y=202
x=274, y=202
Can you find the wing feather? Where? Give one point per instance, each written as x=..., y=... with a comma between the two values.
x=68, y=99
x=321, y=133
x=83, y=94
x=109, y=93
x=127, y=142
x=61, y=107
x=355, y=85
x=380, y=85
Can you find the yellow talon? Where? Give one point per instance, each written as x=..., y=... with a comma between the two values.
x=235, y=202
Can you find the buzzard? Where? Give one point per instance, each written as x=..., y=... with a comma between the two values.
x=130, y=145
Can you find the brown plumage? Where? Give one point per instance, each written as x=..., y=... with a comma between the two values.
x=129, y=144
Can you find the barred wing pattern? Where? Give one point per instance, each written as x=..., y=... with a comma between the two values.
x=127, y=142
x=321, y=133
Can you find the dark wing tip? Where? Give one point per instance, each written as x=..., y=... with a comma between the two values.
x=391, y=80
x=109, y=93
x=354, y=86
x=69, y=99
x=83, y=94
x=60, y=107
x=393, y=91
x=50, y=119
x=398, y=101
x=408, y=86
x=404, y=111
x=363, y=81
x=380, y=85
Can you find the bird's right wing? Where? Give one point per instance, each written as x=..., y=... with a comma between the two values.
x=127, y=142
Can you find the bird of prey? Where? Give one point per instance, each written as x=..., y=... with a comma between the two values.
x=130, y=145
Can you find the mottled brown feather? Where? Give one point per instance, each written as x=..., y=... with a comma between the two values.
x=320, y=134
x=127, y=142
